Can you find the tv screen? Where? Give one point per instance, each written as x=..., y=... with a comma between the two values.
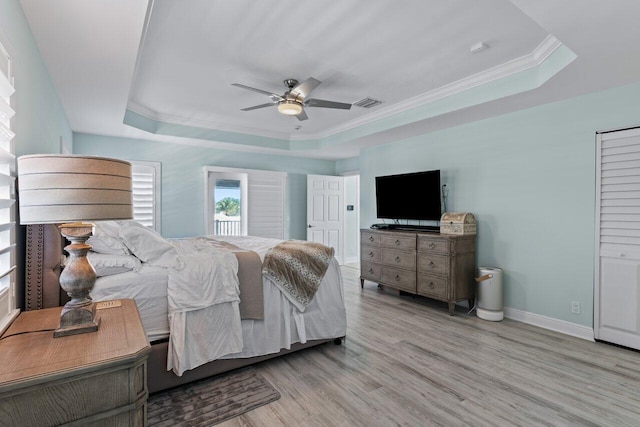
x=409, y=196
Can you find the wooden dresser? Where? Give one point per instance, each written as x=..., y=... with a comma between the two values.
x=96, y=379
x=430, y=264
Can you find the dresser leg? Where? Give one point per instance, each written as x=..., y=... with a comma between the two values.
x=471, y=301
x=452, y=307
x=361, y=283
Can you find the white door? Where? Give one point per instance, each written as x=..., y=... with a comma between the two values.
x=617, y=276
x=325, y=212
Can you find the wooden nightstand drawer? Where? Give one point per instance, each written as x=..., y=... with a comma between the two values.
x=370, y=238
x=399, y=259
x=96, y=378
x=370, y=254
x=431, y=263
x=399, y=242
x=404, y=280
x=370, y=271
x=431, y=244
x=432, y=286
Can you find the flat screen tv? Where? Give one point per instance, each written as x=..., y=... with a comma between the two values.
x=409, y=196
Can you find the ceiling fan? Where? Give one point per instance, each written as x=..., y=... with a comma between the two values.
x=294, y=99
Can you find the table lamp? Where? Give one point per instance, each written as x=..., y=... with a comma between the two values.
x=69, y=189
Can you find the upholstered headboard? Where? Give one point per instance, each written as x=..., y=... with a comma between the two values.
x=42, y=269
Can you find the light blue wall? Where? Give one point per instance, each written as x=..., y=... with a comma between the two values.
x=40, y=120
x=351, y=228
x=183, y=177
x=529, y=176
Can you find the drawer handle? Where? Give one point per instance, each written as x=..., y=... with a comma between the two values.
x=431, y=264
x=397, y=259
x=371, y=238
x=397, y=277
x=397, y=242
x=432, y=245
x=371, y=271
x=370, y=253
x=431, y=285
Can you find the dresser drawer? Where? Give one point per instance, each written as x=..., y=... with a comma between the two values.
x=399, y=279
x=370, y=238
x=432, y=286
x=431, y=263
x=370, y=254
x=370, y=271
x=399, y=259
x=399, y=242
x=431, y=244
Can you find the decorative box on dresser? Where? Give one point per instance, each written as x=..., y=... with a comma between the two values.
x=97, y=379
x=430, y=264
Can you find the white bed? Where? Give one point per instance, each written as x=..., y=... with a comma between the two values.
x=283, y=324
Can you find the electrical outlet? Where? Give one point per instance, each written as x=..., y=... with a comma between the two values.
x=575, y=307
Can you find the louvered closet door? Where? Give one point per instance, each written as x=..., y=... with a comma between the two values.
x=617, y=281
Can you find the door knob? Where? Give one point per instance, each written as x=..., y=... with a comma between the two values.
x=309, y=226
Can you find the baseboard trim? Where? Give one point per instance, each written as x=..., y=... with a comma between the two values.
x=568, y=328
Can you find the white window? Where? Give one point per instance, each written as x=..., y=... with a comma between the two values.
x=245, y=202
x=146, y=178
x=8, y=309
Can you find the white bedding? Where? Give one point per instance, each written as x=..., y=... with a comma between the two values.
x=283, y=325
x=148, y=287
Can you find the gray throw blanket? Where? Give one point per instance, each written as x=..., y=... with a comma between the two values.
x=297, y=268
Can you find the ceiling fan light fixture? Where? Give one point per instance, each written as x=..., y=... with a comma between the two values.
x=290, y=108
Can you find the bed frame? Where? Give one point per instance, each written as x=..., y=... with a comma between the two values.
x=42, y=290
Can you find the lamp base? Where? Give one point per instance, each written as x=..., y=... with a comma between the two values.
x=78, y=321
x=77, y=279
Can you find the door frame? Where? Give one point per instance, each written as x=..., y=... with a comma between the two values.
x=209, y=187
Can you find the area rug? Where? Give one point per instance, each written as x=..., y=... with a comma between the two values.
x=211, y=401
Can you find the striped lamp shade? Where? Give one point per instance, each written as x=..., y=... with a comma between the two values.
x=56, y=188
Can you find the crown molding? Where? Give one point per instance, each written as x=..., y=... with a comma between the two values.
x=539, y=55
x=184, y=121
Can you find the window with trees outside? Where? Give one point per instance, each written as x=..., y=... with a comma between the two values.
x=241, y=202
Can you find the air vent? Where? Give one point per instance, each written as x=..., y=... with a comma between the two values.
x=367, y=103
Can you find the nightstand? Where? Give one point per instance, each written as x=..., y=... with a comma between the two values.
x=97, y=379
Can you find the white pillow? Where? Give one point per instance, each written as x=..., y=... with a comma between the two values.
x=109, y=264
x=149, y=246
x=106, y=239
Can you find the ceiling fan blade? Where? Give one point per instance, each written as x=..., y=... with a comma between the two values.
x=302, y=90
x=264, y=92
x=255, y=107
x=302, y=116
x=327, y=104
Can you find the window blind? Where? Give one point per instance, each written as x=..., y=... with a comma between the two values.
x=146, y=197
x=7, y=193
x=266, y=204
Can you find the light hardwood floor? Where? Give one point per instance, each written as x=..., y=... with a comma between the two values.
x=407, y=362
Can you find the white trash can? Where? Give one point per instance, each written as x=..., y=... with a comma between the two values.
x=489, y=301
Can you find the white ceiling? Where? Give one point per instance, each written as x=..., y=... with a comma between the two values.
x=173, y=62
